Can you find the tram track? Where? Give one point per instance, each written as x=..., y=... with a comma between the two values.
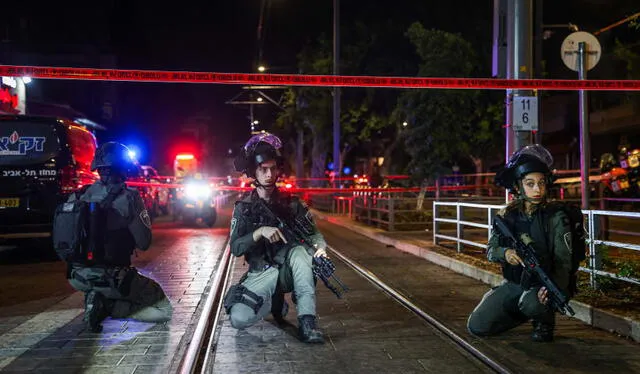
x=200, y=354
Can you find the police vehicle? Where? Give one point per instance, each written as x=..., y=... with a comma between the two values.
x=42, y=159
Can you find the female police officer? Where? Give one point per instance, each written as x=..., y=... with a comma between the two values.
x=519, y=298
x=275, y=265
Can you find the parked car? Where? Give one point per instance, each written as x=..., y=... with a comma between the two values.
x=160, y=195
x=146, y=192
x=42, y=160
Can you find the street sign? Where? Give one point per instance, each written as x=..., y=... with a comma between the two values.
x=525, y=113
x=569, y=50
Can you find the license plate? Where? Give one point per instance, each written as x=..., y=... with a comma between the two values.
x=9, y=203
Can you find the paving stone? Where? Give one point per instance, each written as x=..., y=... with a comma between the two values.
x=124, y=346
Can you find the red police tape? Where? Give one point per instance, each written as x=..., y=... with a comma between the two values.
x=314, y=189
x=313, y=80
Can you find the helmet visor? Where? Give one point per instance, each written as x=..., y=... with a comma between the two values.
x=268, y=138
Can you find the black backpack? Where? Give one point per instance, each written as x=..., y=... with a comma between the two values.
x=79, y=229
x=578, y=240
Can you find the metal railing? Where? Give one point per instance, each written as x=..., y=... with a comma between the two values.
x=591, y=225
x=593, y=242
x=390, y=211
x=460, y=223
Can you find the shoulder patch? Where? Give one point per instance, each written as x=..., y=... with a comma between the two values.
x=567, y=241
x=234, y=223
x=145, y=218
x=309, y=216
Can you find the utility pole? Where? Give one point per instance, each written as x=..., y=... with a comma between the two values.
x=585, y=149
x=537, y=68
x=337, y=163
x=521, y=105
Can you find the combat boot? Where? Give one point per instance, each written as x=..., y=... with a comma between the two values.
x=279, y=307
x=307, y=330
x=542, y=331
x=95, y=310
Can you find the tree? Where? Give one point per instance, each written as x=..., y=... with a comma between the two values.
x=445, y=126
x=309, y=109
x=375, y=47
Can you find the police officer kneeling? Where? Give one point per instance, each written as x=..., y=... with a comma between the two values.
x=522, y=297
x=114, y=224
x=276, y=266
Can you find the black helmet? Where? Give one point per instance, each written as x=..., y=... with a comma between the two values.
x=260, y=148
x=113, y=155
x=530, y=159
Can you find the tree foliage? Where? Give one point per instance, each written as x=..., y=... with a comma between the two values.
x=446, y=126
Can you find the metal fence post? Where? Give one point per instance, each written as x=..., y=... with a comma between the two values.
x=459, y=226
x=391, y=215
x=378, y=213
x=489, y=217
x=435, y=223
x=592, y=250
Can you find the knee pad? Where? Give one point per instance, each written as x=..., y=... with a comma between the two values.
x=240, y=294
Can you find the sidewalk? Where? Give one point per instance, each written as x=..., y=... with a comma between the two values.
x=422, y=246
x=57, y=341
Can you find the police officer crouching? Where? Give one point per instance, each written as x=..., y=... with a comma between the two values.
x=112, y=287
x=521, y=297
x=276, y=266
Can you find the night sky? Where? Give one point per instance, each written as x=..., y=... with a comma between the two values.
x=221, y=36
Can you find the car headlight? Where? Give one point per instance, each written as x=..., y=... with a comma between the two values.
x=196, y=191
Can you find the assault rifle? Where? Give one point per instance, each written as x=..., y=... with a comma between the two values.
x=557, y=299
x=298, y=232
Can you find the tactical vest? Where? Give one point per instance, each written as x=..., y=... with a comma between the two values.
x=269, y=254
x=536, y=227
x=117, y=242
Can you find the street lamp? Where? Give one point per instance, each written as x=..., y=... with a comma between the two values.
x=256, y=122
x=261, y=68
x=404, y=124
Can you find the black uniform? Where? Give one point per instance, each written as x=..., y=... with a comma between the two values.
x=125, y=292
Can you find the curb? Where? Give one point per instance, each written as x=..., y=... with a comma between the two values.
x=584, y=312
